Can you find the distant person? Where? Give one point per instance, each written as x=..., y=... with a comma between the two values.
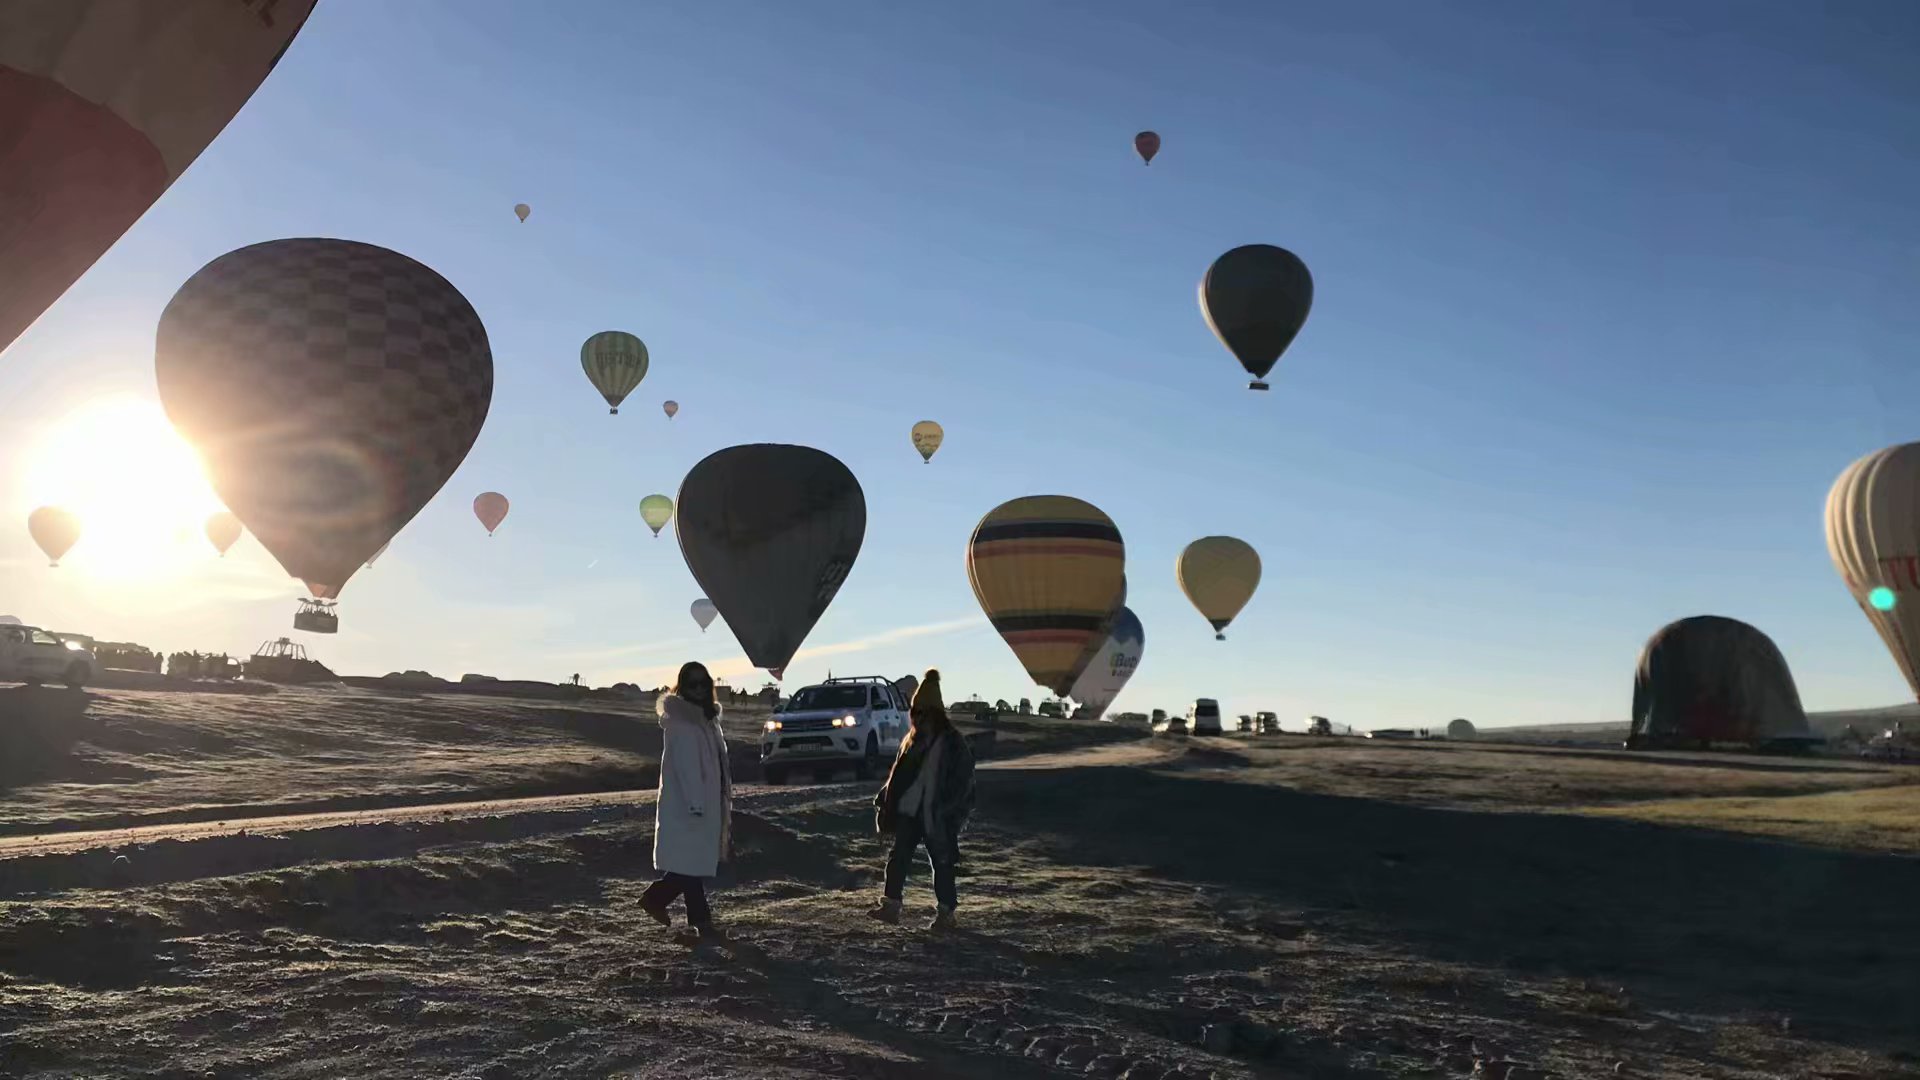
x=693, y=817
x=926, y=801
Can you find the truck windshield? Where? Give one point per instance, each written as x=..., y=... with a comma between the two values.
x=828, y=697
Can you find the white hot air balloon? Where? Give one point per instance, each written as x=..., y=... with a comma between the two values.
x=1873, y=534
x=703, y=613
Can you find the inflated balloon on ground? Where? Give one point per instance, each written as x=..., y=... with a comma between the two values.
x=1115, y=662
x=331, y=387
x=1873, y=535
x=1050, y=573
x=1256, y=299
x=770, y=532
x=103, y=104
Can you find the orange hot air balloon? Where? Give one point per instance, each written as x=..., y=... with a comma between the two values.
x=1146, y=144
x=55, y=530
x=103, y=104
x=491, y=508
x=223, y=529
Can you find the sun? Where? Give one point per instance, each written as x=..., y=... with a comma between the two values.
x=139, y=490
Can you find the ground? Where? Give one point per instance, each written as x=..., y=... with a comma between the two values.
x=1283, y=907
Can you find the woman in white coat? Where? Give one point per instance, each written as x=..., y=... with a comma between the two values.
x=693, y=818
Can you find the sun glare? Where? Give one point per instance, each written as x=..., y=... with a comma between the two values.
x=138, y=488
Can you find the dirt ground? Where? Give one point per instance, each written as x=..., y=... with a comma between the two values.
x=1311, y=908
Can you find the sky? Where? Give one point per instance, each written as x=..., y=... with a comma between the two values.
x=1606, y=295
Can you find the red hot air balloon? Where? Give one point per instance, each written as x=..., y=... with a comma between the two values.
x=491, y=508
x=103, y=104
x=1146, y=144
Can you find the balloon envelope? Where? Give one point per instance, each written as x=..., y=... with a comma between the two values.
x=1219, y=574
x=491, y=508
x=1107, y=673
x=1873, y=535
x=670, y=408
x=615, y=362
x=1050, y=572
x=703, y=613
x=1255, y=299
x=521, y=210
x=103, y=104
x=331, y=387
x=377, y=554
x=927, y=437
x=55, y=530
x=1146, y=144
x=656, y=511
x=223, y=529
x=770, y=532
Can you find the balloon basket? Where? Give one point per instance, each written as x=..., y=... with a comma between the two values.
x=1219, y=637
x=613, y=412
x=1257, y=385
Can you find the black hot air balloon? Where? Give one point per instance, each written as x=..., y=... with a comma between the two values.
x=331, y=387
x=1255, y=299
x=770, y=532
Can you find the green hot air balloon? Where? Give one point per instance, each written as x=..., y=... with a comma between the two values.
x=615, y=362
x=1255, y=299
x=656, y=511
x=770, y=532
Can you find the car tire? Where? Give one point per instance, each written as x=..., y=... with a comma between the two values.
x=76, y=675
x=870, y=763
x=773, y=775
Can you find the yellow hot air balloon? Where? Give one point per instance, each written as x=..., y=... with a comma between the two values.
x=1050, y=572
x=223, y=529
x=55, y=530
x=656, y=511
x=1219, y=574
x=1873, y=534
x=927, y=437
x=521, y=210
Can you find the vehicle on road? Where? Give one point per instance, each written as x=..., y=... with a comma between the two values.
x=1266, y=723
x=1319, y=725
x=1203, y=717
x=33, y=656
x=829, y=726
x=1168, y=725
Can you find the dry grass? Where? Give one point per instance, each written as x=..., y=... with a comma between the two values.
x=1875, y=819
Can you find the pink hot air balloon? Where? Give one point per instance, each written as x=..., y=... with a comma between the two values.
x=670, y=408
x=491, y=508
x=1146, y=144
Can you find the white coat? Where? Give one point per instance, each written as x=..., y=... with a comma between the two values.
x=693, y=819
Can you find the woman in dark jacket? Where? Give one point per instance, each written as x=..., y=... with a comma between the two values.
x=926, y=801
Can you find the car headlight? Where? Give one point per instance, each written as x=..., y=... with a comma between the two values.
x=773, y=725
x=74, y=645
x=847, y=721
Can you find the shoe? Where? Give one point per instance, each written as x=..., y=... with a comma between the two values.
x=886, y=911
x=658, y=914
x=942, y=920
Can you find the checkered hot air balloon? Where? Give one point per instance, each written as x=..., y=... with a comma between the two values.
x=331, y=387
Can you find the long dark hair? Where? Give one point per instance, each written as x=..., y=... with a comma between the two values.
x=694, y=684
x=927, y=718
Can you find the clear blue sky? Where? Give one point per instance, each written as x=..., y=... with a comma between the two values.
x=1607, y=294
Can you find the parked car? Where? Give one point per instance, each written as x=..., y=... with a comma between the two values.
x=1168, y=725
x=33, y=656
x=831, y=725
x=1203, y=717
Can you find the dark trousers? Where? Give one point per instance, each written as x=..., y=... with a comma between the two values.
x=908, y=834
x=661, y=893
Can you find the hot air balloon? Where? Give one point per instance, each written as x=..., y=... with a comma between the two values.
x=1050, y=572
x=103, y=104
x=1873, y=534
x=1219, y=574
x=615, y=362
x=1255, y=299
x=331, y=387
x=656, y=511
x=770, y=532
x=521, y=210
x=1107, y=673
x=223, y=529
x=377, y=554
x=491, y=508
x=54, y=530
x=703, y=613
x=1146, y=144
x=670, y=408
x=927, y=437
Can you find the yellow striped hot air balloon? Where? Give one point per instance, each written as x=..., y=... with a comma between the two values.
x=1050, y=572
x=1219, y=574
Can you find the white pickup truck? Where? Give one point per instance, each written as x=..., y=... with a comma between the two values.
x=30, y=655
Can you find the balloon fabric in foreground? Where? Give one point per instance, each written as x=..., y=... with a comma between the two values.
x=1050, y=572
x=1873, y=535
x=331, y=387
x=770, y=532
x=1255, y=300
